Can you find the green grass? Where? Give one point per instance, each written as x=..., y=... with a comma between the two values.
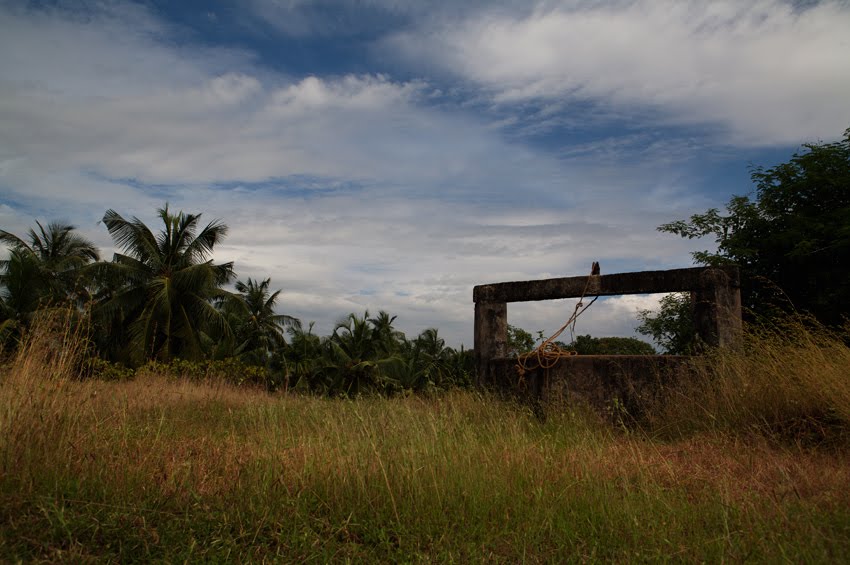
x=160, y=470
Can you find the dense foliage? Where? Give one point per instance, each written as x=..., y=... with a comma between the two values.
x=672, y=327
x=587, y=345
x=791, y=240
x=519, y=341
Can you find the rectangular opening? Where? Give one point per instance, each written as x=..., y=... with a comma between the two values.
x=609, y=316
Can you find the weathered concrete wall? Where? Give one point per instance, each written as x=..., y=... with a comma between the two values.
x=717, y=307
x=599, y=379
x=491, y=337
x=715, y=292
x=608, y=383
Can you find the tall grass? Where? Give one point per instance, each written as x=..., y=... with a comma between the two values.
x=162, y=469
x=788, y=381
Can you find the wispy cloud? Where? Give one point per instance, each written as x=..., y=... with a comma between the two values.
x=762, y=72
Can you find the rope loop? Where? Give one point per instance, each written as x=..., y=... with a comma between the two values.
x=548, y=353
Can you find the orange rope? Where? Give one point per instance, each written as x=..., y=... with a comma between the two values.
x=548, y=353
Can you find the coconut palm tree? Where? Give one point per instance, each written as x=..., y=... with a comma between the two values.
x=165, y=285
x=431, y=344
x=45, y=269
x=304, y=358
x=57, y=246
x=257, y=328
x=357, y=359
x=23, y=287
x=431, y=360
x=388, y=339
x=21, y=294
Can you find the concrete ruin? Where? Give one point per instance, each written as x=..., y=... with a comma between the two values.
x=630, y=379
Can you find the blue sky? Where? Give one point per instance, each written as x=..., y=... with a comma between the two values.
x=378, y=154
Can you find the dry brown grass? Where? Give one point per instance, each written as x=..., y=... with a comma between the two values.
x=138, y=469
x=789, y=382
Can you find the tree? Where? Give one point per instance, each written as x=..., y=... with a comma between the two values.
x=357, y=359
x=165, y=285
x=304, y=355
x=23, y=288
x=387, y=337
x=672, y=327
x=45, y=269
x=792, y=240
x=431, y=344
x=519, y=341
x=587, y=345
x=257, y=329
x=430, y=360
x=53, y=257
x=461, y=367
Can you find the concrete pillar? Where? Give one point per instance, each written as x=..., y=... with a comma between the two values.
x=717, y=309
x=491, y=337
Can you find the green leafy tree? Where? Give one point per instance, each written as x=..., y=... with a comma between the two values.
x=367, y=355
x=355, y=359
x=431, y=344
x=672, y=326
x=431, y=359
x=461, y=363
x=22, y=288
x=792, y=239
x=519, y=341
x=587, y=345
x=164, y=286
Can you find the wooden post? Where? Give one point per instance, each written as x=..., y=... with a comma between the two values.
x=717, y=309
x=491, y=337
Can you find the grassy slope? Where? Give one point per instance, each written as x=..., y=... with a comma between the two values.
x=161, y=470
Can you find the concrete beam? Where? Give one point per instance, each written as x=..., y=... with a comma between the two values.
x=642, y=282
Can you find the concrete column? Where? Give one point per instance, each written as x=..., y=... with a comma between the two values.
x=717, y=309
x=491, y=337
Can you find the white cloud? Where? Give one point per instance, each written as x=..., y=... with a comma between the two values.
x=764, y=72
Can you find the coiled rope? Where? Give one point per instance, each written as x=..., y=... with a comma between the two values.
x=548, y=353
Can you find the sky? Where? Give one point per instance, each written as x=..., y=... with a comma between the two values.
x=385, y=154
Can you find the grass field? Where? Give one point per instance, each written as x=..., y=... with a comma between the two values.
x=749, y=462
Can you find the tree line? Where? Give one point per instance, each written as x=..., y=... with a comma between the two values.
x=163, y=301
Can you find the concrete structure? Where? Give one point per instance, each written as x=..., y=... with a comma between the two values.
x=716, y=297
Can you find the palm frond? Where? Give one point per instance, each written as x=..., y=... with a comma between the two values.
x=202, y=245
x=13, y=241
x=133, y=237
